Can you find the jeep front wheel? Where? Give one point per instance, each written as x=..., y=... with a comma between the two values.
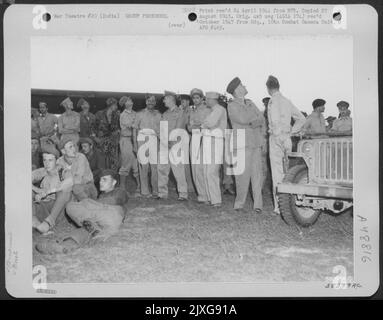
x=290, y=212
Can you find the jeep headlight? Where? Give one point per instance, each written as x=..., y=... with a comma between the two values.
x=306, y=148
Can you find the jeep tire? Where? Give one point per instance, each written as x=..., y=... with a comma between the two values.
x=290, y=212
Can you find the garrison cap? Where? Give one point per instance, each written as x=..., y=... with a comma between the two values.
x=233, y=85
x=196, y=91
x=212, y=95
x=123, y=100
x=81, y=102
x=50, y=149
x=342, y=104
x=64, y=141
x=66, y=102
x=170, y=93
x=272, y=82
x=318, y=103
x=43, y=103
x=109, y=172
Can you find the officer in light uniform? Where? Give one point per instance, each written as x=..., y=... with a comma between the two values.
x=174, y=118
x=147, y=126
x=69, y=122
x=198, y=113
x=186, y=108
x=245, y=115
x=213, y=133
x=344, y=122
x=280, y=112
x=315, y=122
x=128, y=158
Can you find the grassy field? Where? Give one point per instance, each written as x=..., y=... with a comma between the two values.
x=166, y=240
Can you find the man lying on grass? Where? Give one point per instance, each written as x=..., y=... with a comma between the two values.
x=96, y=219
x=104, y=216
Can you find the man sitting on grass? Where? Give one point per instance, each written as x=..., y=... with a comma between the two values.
x=53, y=193
x=77, y=163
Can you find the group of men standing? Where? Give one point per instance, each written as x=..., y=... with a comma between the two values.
x=142, y=141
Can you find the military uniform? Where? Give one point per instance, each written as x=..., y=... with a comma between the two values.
x=174, y=119
x=87, y=124
x=69, y=123
x=52, y=206
x=47, y=127
x=83, y=182
x=147, y=124
x=128, y=158
x=188, y=170
x=280, y=112
x=213, y=133
x=244, y=114
x=342, y=124
x=197, y=116
x=106, y=213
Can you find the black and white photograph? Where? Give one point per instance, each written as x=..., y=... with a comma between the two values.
x=198, y=158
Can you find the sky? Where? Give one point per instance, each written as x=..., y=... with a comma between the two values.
x=308, y=67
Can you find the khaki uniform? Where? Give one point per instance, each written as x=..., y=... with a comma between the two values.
x=342, y=124
x=174, y=119
x=52, y=207
x=212, y=158
x=147, y=124
x=188, y=169
x=106, y=213
x=47, y=125
x=227, y=180
x=128, y=158
x=280, y=112
x=197, y=116
x=69, y=126
x=83, y=183
x=245, y=115
x=87, y=124
x=314, y=124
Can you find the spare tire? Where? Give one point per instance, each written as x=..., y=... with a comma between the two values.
x=290, y=212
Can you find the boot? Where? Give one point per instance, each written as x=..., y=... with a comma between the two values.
x=123, y=182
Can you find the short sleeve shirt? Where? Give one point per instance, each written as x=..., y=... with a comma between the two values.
x=79, y=168
x=70, y=122
x=342, y=124
x=47, y=124
x=127, y=120
x=49, y=181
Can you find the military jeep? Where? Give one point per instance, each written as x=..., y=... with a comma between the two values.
x=321, y=182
